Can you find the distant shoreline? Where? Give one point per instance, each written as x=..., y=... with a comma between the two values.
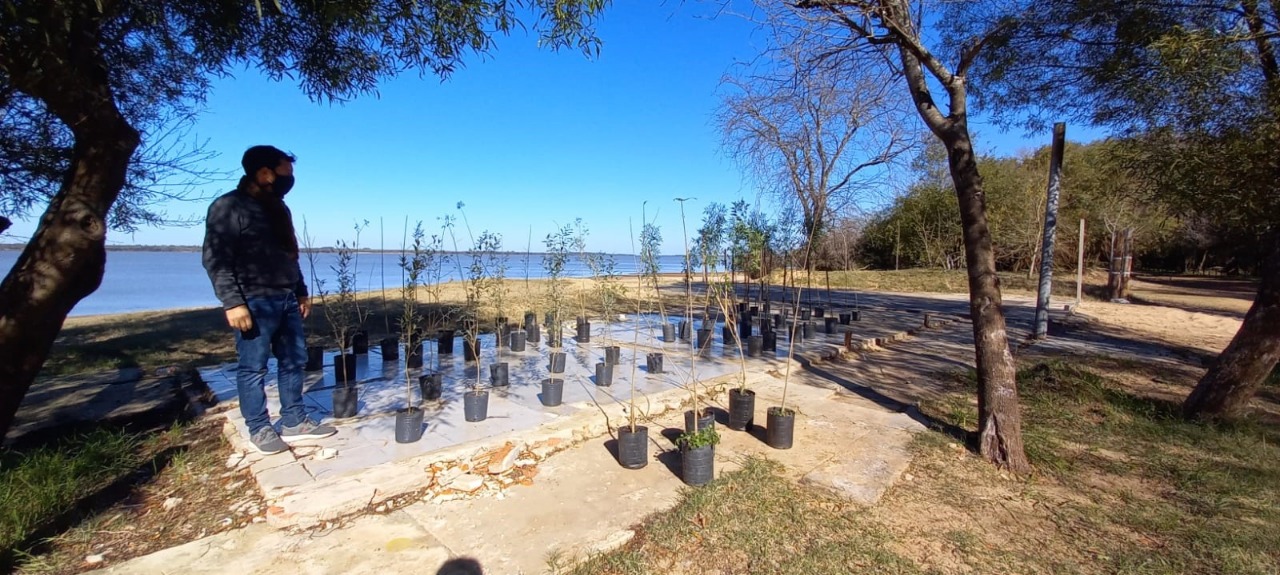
x=323, y=250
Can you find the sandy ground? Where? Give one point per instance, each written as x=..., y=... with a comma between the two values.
x=1191, y=314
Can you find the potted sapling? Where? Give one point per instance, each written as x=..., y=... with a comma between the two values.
x=439, y=319
x=650, y=246
x=580, y=246
x=390, y=343
x=697, y=442
x=554, y=260
x=742, y=401
x=315, y=353
x=532, y=334
x=359, y=342
x=413, y=266
x=780, y=420
x=495, y=289
x=633, y=439
x=609, y=290
x=476, y=398
x=341, y=311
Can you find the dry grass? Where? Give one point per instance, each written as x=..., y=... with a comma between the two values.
x=1122, y=486
x=104, y=494
x=200, y=337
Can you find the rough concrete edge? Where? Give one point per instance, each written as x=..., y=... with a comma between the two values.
x=397, y=479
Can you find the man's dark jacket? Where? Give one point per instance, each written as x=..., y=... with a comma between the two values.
x=242, y=254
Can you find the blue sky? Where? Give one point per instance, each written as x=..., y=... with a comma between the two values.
x=526, y=137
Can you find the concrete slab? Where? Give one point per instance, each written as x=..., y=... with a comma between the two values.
x=373, y=544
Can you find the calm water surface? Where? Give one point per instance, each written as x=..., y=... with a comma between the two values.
x=147, y=281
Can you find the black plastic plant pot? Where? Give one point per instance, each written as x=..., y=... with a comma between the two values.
x=346, y=398
x=777, y=320
x=555, y=337
x=530, y=318
x=753, y=310
x=704, y=338
x=556, y=361
x=633, y=447
x=653, y=363
x=686, y=331
x=755, y=345
x=744, y=308
x=499, y=374
x=698, y=465
x=344, y=367
x=581, y=320
x=668, y=332
x=805, y=315
x=470, y=349
x=745, y=328
x=819, y=312
x=845, y=318
x=780, y=427
x=604, y=374
x=766, y=325
x=360, y=342
x=444, y=342
x=390, y=348
x=855, y=316
x=432, y=386
x=516, y=340
x=533, y=334
x=549, y=319
x=727, y=332
x=829, y=325
x=409, y=425
x=584, y=332
x=769, y=342
x=413, y=355
x=742, y=409
x=475, y=405
x=315, y=358
x=704, y=420
x=613, y=355
x=552, y=391
x=810, y=330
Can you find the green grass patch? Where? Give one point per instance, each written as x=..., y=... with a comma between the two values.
x=1207, y=494
x=754, y=520
x=40, y=485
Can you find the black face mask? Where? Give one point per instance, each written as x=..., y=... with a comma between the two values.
x=282, y=185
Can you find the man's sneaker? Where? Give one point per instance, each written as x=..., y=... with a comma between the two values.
x=307, y=430
x=267, y=441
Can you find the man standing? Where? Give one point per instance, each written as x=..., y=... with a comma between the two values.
x=251, y=254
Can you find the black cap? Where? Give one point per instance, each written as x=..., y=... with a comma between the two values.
x=259, y=157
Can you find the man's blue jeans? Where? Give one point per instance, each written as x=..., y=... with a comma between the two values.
x=277, y=330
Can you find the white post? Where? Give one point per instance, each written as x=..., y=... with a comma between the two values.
x=1080, y=264
x=1050, y=225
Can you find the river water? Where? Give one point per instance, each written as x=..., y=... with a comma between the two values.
x=159, y=280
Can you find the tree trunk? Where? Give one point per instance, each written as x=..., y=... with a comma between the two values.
x=64, y=261
x=999, y=416
x=1237, y=373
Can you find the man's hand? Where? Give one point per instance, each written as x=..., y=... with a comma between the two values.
x=238, y=318
x=304, y=306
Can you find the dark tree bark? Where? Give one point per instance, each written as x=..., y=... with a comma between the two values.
x=1237, y=373
x=65, y=259
x=999, y=415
